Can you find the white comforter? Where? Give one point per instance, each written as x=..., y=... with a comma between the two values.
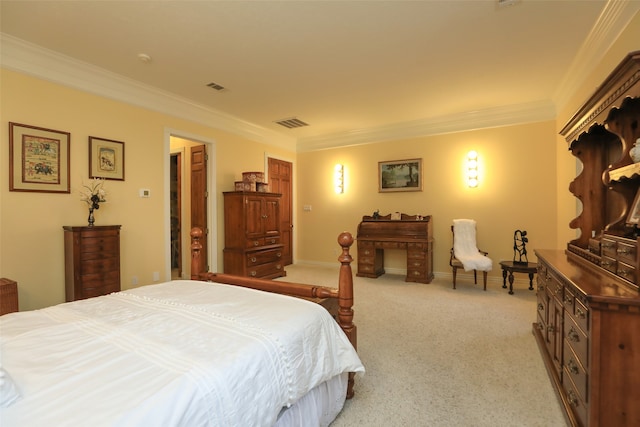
x=179, y=353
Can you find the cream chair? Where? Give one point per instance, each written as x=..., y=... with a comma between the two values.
x=465, y=253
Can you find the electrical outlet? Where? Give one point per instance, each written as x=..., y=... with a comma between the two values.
x=156, y=276
x=134, y=280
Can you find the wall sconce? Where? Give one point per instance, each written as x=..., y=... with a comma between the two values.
x=338, y=178
x=472, y=169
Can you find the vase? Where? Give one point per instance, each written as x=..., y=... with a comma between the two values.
x=91, y=218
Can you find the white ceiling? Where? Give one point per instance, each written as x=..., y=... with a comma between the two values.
x=343, y=67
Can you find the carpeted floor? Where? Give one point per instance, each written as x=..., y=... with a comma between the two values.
x=441, y=357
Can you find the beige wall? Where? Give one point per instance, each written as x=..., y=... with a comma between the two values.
x=31, y=239
x=516, y=191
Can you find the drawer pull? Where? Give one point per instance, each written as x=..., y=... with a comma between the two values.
x=551, y=329
x=278, y=267
x=573, y=399
x=581, y=314
x=626, y=251
x=573, y=336
x=273, y=241
x=541, y=326
x=256, y=243
x=624, y=273
x=608, y=245
x=253, y=274
x=540, y=307
x=541, y=287
x=573, y=368
x=605, y=263
x=253, y=259
x=279, y=254
x=568, y=300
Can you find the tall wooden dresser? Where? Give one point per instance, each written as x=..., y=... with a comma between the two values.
x=588, y=303
x=92, y=261
x=8, y=296
x=252, y=234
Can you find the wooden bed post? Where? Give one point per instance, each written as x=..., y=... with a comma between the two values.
x=345, y=299
x=196, y=248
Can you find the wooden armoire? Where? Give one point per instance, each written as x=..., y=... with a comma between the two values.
x=252, y=245
x=588, y=304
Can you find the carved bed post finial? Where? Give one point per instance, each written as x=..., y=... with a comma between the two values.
x=345, y=298
x=196, y=248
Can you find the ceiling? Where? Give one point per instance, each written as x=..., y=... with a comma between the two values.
x=343, y=67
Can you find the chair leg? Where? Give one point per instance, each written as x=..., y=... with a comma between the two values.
x=475, y=277
x=484, y=277
x=455, y=269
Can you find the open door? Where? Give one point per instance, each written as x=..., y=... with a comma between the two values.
x=280, y=181
x=199, y=195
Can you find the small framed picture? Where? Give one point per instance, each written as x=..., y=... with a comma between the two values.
x=38, y=159
x=400, y=175
x=106, y=159
x=634, y=212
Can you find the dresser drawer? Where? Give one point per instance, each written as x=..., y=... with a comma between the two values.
x=263, y=257
x=576, y=371
x=577, y=340
x=254, y=243
x=99, y=291
x=99, y=244
x=95, y=280
x=100, y=265
x=626, y=271
x=271, y=240
x=577, y=405
x=416, y=274
x=266, y=270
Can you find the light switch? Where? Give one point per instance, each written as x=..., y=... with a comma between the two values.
x=145, y=192
x=307, y=208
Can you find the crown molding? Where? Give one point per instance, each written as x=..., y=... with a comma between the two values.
x=28, y=58
x=471, y=120
x=614, y=18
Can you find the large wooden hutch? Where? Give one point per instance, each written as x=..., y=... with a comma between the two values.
x=588, y=309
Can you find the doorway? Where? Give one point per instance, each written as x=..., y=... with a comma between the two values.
x=280, y=174
x=190, y=175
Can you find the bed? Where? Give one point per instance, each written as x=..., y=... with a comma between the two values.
x=216, y=350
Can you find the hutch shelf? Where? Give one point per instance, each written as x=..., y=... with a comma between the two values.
x=588, y=304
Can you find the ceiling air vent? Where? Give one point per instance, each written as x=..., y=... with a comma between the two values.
x=292, y=123
x=216, y=86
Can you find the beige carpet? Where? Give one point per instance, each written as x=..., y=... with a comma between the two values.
x=441, y=357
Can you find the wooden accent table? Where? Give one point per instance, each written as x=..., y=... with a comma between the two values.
x=514, y=267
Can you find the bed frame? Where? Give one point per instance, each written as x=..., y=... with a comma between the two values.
x=325, y=296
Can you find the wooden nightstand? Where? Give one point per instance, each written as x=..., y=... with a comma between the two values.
x=8, y=296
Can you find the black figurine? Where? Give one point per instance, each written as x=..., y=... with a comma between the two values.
x=519, y=247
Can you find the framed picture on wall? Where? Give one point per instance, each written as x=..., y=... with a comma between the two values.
x=38, y=159
x=634, y=212
x=400, y=175
x=106, y=159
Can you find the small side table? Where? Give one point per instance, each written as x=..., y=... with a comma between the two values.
x=513, y=267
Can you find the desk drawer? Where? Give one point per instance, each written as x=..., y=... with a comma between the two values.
x=577, y=340
x=262, y=257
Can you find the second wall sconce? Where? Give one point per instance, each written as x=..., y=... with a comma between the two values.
x=338, y=178
x=472, y=169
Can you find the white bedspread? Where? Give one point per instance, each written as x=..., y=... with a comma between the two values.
x=178, y=353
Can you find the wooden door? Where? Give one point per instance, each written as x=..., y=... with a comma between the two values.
x=281, y=181
x=199, y=195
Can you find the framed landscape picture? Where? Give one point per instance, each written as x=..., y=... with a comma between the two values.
x=38, y=159
x=400, y=175
x=106, y=158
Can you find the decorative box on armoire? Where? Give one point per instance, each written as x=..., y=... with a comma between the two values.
x=252, y=234
x=92, y=261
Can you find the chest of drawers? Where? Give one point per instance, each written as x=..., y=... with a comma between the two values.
x=92, y=261
x=586, y=329
x=252, y=235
